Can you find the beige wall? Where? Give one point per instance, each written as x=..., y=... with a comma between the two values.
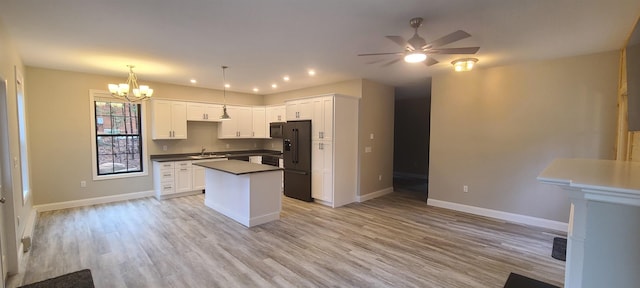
x=496, y=129
x=11, y=176
x=59, y=129
x=376, y=116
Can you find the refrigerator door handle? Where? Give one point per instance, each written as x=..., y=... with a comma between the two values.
x=297, y=172
x=295, y=145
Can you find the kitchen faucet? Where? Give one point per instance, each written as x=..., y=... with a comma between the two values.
x=202, y=152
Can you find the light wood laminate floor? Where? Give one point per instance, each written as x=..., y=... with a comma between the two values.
x=391, y=241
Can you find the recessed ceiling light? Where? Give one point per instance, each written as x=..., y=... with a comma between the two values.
x=255, y=90
x=227, y=85
x=312, y=72
x=274, y=85
x=193, y=81
x=286, y=78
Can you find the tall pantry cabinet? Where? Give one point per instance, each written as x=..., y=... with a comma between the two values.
x=334, y=154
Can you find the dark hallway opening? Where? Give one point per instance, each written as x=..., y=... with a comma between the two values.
x=411, y=139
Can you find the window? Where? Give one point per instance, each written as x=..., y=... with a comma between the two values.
x=117, y=137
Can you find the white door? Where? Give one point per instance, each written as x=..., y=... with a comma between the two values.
x=4, y=162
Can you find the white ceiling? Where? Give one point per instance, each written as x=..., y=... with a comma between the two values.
x=174, y=41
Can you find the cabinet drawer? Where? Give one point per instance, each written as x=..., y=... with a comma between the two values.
x=167, y=188
x=166, y=165
x=166, y=174
x=182, y=164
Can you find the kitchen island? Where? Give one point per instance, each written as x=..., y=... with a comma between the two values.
x=248, y=193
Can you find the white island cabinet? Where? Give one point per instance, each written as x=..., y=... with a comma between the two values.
x=604, y=224
x=246, y=192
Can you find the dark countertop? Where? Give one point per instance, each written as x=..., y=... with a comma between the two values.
x=237, y=167
x=212, y=155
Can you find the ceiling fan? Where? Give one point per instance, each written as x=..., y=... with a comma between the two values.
x=417, y=49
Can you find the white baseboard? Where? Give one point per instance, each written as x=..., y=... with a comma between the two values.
x=373, y=195
x=92, y=201
x=506, y=216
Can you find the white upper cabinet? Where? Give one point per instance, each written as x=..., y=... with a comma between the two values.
x=203, y=112
x=299, y=109
x=276, y=114
x=239, y=126
x=259, y=119
x=322, y=126
x=168, y=119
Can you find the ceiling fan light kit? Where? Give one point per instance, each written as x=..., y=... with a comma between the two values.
x=131, y=91
x=417, y=50
x=415, y=57
x=465, y=64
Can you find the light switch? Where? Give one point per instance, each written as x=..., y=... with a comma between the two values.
x=371, y=136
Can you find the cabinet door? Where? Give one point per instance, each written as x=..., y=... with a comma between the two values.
x=259, y=119
x=291, y=110
x=179, y=120
x=327, y=118
x=229, y=128
x=321, y=171
x=327, y=171
x=317, y=165
x=305, y=109
x=255, y=159
x=245, y=122
x=196, y=112
x=161, y=119
x=197, y=177
x=183, y=176
x=212, y=112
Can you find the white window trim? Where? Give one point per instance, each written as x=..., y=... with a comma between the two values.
x=99, y=94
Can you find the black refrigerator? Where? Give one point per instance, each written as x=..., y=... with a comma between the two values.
x=296, y=153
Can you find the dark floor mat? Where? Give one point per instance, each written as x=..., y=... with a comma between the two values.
x=559, y=248
x=519, y=281
x=78, y=279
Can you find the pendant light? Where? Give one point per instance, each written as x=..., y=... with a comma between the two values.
x=224, y=116
x=131, y=91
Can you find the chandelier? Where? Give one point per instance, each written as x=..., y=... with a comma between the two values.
x=130, y=91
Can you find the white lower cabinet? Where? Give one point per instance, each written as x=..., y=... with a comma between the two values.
x=255, y=159
x=173, y=179
x=182, y=176
x=321, y=170
x=197, y=176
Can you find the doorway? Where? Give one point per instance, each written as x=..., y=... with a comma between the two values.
x=411, y=139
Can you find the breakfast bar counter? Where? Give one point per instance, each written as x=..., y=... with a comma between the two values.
x=248, y=193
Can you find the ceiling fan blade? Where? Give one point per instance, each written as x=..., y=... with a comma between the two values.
x=398, y=40
x=461, y=50
x=377, y=61
x=430, y=61
x=453, y=37
x=373, y=54
x=391, y=62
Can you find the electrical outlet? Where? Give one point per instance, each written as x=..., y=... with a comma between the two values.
x=465, y=188
x=227, y=146
x=367, y=149
x=164, y=147
x=83, y=183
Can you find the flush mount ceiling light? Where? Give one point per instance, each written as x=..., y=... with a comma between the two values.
x=130, y=91
x=224, y=116
x=465, y=64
